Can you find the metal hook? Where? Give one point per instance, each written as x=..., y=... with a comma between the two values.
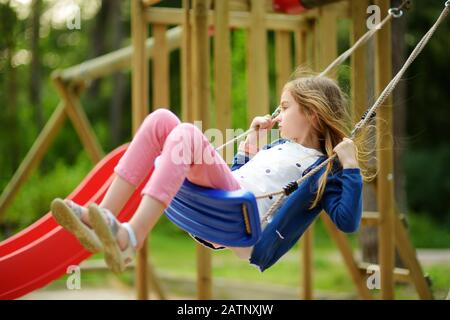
x=397, y=13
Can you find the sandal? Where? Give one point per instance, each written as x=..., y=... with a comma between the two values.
x=68, y=215
x=106, y=227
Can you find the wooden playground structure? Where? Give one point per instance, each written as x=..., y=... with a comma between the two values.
x=312, y=35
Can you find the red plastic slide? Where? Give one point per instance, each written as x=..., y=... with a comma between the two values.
x=42, y=252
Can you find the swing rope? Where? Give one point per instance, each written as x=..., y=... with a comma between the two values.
x=392, y=13
x=292, y=186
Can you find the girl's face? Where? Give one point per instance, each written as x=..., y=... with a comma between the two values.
x=292, y=122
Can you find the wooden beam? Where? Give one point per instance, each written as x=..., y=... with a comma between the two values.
x=408, y=255
x=385, y=179
x=79, y=120
x=400, y=274
x=372, y=218
x=238, y=19
x=100, y=265
x=33, y=157
x=154, y=282
x=117, y=60
x=346, y=252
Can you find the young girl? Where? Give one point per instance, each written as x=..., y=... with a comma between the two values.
x=313, y=124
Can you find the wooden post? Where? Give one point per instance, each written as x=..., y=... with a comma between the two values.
x=283, y=59
x=326, y=41
x=186, y=65
x=204, y=271
x=200, y=62
x=222, y=61
x=258, y=85
x=358, y=60
x=302, y=54
x=302, y=49
x=307, y=262
x=200, y=94
x=139, y=111
x=161, y=85
x=325, y=51
x=385, y=179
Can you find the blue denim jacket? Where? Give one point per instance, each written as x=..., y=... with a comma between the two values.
x=341, y=200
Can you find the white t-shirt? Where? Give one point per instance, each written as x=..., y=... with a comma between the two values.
x=272, y=169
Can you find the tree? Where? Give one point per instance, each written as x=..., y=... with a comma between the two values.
x=35, y=68
x=8, y=41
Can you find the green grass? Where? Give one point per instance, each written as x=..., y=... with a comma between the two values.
x=427, y=233
x=175, y=254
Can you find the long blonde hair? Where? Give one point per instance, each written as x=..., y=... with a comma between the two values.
x=321, y=99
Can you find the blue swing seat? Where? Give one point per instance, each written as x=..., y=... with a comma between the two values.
x=224, y=217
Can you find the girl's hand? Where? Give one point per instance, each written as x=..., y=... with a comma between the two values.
x=262, y=122
x=260, y=125
x=346, y=152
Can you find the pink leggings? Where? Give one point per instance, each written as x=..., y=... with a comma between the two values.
x=185, y=153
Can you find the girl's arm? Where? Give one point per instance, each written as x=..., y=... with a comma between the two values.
x=342, y=199
x=257, y=138
x=252, y=144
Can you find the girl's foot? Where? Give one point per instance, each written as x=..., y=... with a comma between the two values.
x=72, y=218
x=118, y=239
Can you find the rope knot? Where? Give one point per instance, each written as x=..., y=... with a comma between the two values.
x=290, y=187
x=373, y=115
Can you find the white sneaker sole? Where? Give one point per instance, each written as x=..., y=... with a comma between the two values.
x=113, y=254
x=70, y=221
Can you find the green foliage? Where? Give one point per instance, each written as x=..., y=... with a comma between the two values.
x=428, y=180
x=427, y=233
x=239, y=79
x=9, y=24
x=33, y=200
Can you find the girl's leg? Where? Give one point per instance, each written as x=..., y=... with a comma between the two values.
x=138, y=160
x=187, y=153
x=116, y=196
